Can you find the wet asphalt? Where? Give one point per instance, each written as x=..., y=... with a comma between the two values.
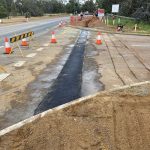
x=67, y=86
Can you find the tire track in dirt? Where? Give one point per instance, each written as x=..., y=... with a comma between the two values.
x=134, y=75
x=147, y=67
x=114, y=63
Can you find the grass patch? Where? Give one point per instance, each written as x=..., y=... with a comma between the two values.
x=129, y=24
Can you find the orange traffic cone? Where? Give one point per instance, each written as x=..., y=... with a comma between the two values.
x=99, y=41
x=8, y=48
x=24, y=42
x=53, y=39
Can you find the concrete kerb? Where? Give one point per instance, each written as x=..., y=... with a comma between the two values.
x=104, y=31
x=73, y=103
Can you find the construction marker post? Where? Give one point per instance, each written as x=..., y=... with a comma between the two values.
x=119, y=20
x=107, y=20
x=113, y=18
x=135, y=27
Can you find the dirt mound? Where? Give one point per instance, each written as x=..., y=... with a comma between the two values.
x=84, y=22
x=108, y=121
x=90, y=22
x=94, y=22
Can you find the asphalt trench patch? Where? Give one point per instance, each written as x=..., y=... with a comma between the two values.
x=67, y=86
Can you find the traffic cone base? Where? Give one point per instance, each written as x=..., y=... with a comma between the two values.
x=8, y=50
x=53, y=41
x=24, y=42
x=98, y=42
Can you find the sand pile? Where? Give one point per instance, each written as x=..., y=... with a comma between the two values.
x=91, y=21
x=108, y=121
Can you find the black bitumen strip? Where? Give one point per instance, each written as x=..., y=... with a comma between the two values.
x=67, y=86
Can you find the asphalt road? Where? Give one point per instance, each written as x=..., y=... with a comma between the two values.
x=67, y=86
x=38, y=27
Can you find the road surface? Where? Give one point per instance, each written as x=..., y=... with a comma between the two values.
x=67, y=86
x=36, y=26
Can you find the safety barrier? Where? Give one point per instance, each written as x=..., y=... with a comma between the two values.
x=15, y=39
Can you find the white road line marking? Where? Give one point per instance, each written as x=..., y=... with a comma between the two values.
x=47, y=44
x=71, y=46
x=1, y=46
x=19, y=63
x=40, y=49
x=3, y=76
x=31, y=55
x=141, y=45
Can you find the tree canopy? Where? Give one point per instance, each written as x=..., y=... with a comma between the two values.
x=89, y=6
x=135, y=8
x=130, y=8
x=3, y=10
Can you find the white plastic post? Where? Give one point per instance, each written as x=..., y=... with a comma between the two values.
x=107, y=20
x=135, y=27
x=119, y=20
x=113, y=21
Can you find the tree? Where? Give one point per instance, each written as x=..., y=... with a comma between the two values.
x=127, y=7
x=47, y=7
x=19, y=7
x=89, y=6
x=58, y=7
x=73, y=7
x=13, y=10
x=3, y=10
x=142, y=13
x=30, y=6
x=9, y=6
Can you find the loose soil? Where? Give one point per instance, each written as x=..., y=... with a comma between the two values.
x=116, y=120
x=93, y=22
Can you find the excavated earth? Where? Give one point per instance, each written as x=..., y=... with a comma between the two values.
x=114, y=120
x=89, y=22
